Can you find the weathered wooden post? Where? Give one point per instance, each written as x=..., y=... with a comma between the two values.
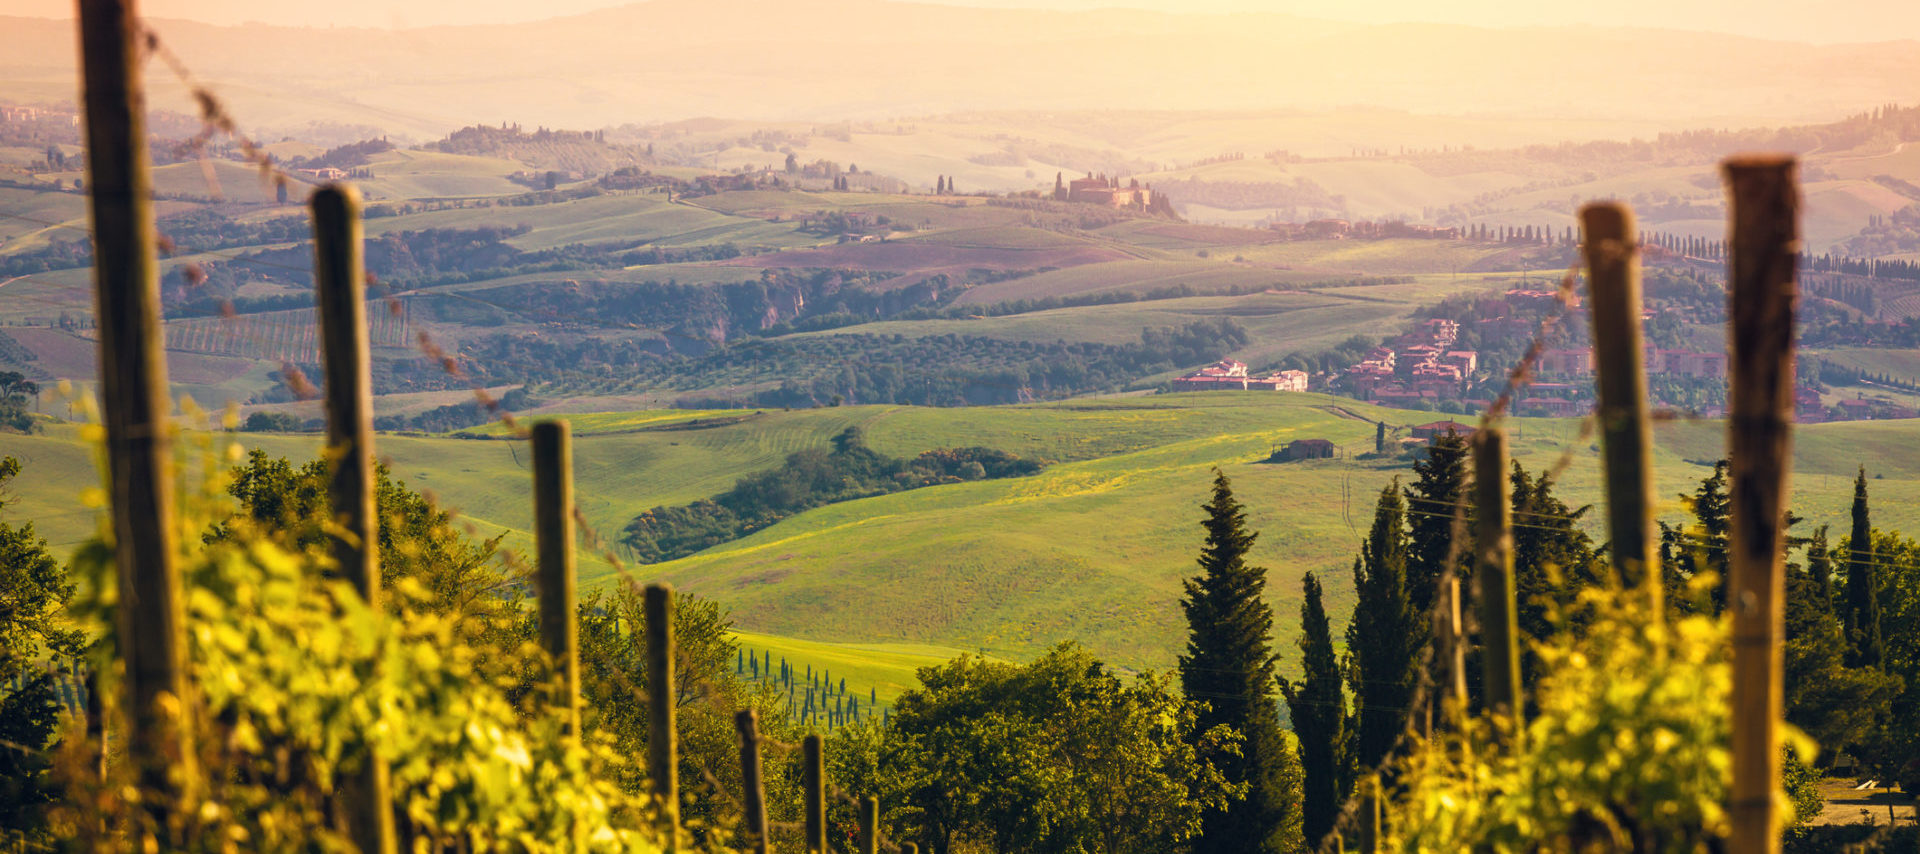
x=663, y=761
x=1370, y=838
x=553, y=534
x=340, y=297
x=135, y=405
x=1760, y=308
x=1626, y=434
x=1493, y=573
x=814, y=781
x=97, y=722
x=755, y=790
x=869, y=825
x=1450, y=639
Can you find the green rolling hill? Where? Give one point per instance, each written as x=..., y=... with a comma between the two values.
x=1093, y=548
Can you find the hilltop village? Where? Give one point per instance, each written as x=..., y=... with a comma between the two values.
x=1109, y=192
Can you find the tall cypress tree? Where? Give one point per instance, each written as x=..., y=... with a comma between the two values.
x=1229, y=664
x=1865, y=646
x=1439, y=489
x=1319, y=711
x=1385, y=634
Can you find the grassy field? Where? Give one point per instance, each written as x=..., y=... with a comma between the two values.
x=878, y=670
x=1277, y=323
x=1093, y=548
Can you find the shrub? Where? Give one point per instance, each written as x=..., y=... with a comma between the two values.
x=1627, y=749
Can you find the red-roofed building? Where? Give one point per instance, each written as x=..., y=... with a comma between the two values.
x=1437, y=429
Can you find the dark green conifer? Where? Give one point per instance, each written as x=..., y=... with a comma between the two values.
x=1229, y=665
x=1839, y=705
x=1385, y=635
x=1318, y=706
x=1438, y=491
x=1553, y=559
x=1864, y=643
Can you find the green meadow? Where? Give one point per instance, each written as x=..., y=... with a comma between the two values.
x=1092, y=548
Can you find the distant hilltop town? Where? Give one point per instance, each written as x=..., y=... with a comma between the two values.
x=1109, y=192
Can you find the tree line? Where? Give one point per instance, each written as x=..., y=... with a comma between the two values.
x=807, y=479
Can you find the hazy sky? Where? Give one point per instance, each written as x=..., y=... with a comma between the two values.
x=1826, y=21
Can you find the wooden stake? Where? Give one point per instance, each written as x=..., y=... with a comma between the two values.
x=869, y=825
x=1626, y=435
x=340, y=293
x=97, y=722
x=1370, y=841
x=340, y=296
x=554, y=577
x=1493, y=573
x=814, y=781
x=663, y=761
x=1453, y=640
x=1760, y=308
x=135, y=405
x=755, y=790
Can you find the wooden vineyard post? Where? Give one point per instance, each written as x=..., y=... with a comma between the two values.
x=1493, y=573
x=97, y=722
x=553, y=535
x=755, y=790
x=340, y=296
x=663, y=749
x=814, y=781
x=1370, y=841
x=869, y=825
x=1764, y=240
x=1626, y=434
x=135, y=406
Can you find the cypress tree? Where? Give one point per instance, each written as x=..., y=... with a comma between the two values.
x=1229, y=665
x=1384, y=636
x=1864, y=643
x=1318, y=707
x=1439, y=486
x=1380, y=438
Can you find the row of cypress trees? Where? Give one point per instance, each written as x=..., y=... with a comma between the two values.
x=815, y=697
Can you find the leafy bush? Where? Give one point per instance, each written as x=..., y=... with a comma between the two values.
x=1054, y=756
x=1627, y=749
x=273, y=422
x=297, y=681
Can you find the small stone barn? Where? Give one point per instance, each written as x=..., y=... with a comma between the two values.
x=1305, y=449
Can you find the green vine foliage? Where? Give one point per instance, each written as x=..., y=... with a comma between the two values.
x=298, y=683
x=1624, y=750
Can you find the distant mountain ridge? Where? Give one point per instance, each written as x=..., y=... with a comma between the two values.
x=866, y=59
